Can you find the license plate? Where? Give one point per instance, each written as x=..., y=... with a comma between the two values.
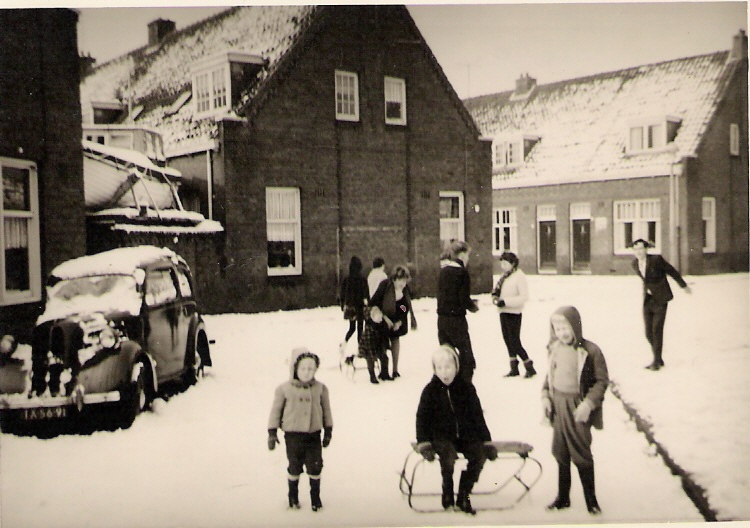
x=44, y=413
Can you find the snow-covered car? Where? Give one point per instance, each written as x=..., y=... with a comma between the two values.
x=116, y=325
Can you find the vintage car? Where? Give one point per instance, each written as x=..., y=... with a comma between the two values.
x=116, y=326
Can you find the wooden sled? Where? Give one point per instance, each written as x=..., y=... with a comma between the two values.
x=502, y=483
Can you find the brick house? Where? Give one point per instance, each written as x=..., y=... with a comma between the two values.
x=583, y=167
x=311, y=133
x=40, y=157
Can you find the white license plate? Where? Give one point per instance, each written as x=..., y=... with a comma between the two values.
x=44, y=413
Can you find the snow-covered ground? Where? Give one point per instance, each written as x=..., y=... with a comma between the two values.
x=200, y=459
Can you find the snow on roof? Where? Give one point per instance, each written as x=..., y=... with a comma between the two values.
x=120, y=261
x=158, y=75
x=129, y=158
x=164, y=214
x=206, y=226
x=584, y=123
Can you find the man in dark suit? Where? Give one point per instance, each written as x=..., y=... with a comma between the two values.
x=653, y=269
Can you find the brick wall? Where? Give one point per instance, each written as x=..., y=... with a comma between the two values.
x=40, y=121
x=367, y=188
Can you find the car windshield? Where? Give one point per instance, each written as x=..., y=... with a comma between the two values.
x=98, y=293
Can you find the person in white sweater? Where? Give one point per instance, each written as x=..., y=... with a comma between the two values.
x=509, y=295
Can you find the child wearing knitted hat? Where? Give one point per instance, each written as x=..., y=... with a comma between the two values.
x=450, y=420
x=302, y=409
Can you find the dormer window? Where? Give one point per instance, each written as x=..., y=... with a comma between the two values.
x=652, y=134
x=512, y=151
x=108, y=112
x=219, y=79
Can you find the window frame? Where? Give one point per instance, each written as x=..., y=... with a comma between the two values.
x=649, y=141
x=709, y=224
x=34, y=293
x=296, y=269
x=399, y=85
x=506, y=152
x=204, y=89
x=339, y=90
x=460, y=221
x=639, y=224
x=504, y=218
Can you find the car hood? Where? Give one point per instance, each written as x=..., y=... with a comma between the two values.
x=124, y=300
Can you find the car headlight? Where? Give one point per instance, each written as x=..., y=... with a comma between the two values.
x=107, y=338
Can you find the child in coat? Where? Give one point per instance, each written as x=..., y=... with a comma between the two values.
x=572, y=397
x=450, y=420
x=301, y=408
x=372, y=346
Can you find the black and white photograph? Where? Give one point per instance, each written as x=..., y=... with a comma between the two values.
x=374, y=264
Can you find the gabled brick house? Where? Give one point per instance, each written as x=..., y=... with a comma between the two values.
x=581, y=168
x=312, y=133
x=42, y=210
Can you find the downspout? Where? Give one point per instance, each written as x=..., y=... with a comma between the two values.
x=339, y=221
x=210, y=183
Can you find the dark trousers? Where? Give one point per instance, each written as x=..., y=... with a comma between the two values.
x=304, y=450
x=454, y=330
x=654, y=316
x=510, y=324
x=358, y=323
x=448, y=451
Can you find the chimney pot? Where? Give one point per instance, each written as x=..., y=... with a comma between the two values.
x=158, y=30
x=739, y=46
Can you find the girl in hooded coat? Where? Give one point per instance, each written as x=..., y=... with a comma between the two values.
x=572, y=397
x=302, y=409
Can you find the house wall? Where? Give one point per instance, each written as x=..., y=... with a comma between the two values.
x=367, y=189
x=40, y=121
x=716, y=173
x=601, y=197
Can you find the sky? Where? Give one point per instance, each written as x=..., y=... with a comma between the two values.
x=199, y=459
x=484, y=47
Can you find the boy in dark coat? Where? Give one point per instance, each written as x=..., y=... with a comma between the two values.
x=572, y=397
x=454, y=287
x=450, y=420
x=302, y=409
x=653, y=269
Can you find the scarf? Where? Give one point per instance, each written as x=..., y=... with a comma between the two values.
x=500, y=281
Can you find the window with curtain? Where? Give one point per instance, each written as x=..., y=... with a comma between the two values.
x=451, y=217
x=395, y=101
x=20, y=234
x=283, y=231
x=634, y=219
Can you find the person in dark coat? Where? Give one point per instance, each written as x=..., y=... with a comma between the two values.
x=353, y=297
x=450, y=420
x=653, y=270
x=394, y=300
x=572, y=397
x=453, y=300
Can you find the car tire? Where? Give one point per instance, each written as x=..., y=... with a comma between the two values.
x=195, y=359
x=136, y=399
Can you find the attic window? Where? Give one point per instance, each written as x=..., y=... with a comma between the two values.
x=652, y=134
x=218, y=81
x=108, y=112
x=512, y=151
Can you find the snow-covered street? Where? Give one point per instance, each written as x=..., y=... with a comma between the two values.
x=200, y=459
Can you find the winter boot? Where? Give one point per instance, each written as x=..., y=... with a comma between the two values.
x=294, y=494
x=384, y=367
x=513, y=369
x=589, y=490
x=464, y=490
x=371, y=370
x=315, y=494
x=530, y=372
x=562, y=500
x=448, y=499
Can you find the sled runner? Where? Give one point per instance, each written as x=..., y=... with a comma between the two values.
x=502, y=484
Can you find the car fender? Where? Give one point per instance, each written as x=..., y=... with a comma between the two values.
x=135, y=355
x=196, y=325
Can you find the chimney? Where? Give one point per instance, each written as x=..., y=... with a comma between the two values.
x=85, y=64
x=158, y=30
x=739, y=46
x=524, y=87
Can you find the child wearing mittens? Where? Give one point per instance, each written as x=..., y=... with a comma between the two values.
x=302, y=409
x=572, y=397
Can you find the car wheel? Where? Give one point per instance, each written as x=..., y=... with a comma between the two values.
x=136, y=398
x=194, y=369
